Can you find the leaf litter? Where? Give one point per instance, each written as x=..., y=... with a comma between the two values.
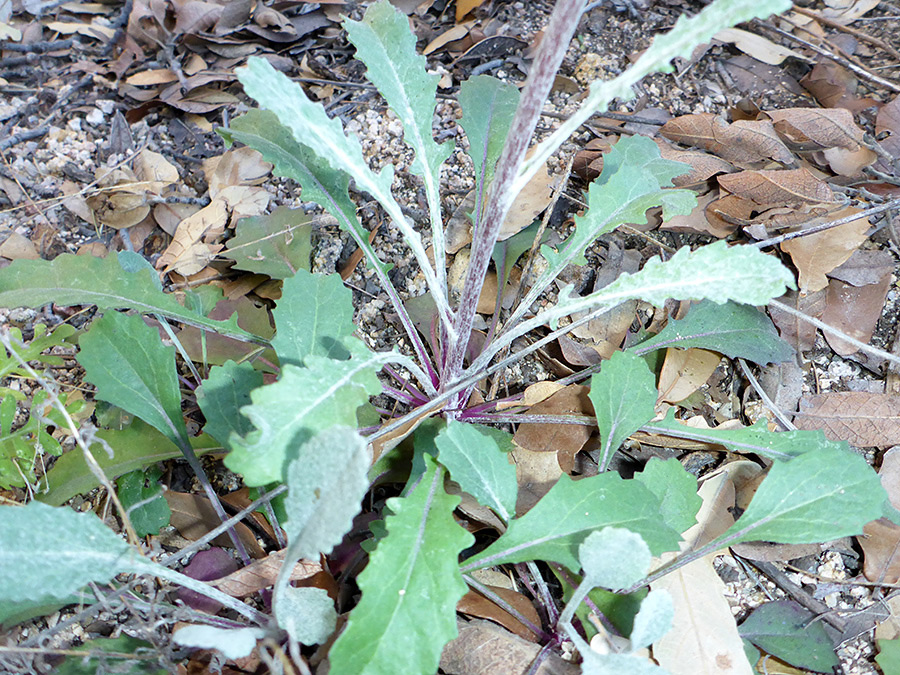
x=764, y=200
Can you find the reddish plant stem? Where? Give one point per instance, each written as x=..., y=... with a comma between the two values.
x=553, y=48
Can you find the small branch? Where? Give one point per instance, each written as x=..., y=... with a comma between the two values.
x=862, y=35
x=23, y=136
x=36, y=47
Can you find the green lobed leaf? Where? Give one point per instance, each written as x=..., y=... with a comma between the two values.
x=624, y=395
x=614, y=558
x=387, y=46
x=553, y=529
x=488, y=106
x=306, y=613
x=106, y=282
x=476, y=462
x=634, y=178
x=313, y=316
x=816, y=497
x=277, y=244
x=319, y=181
x=303, y=401
x=125, y=360
x=20, y=449
x=676, y=490
x=134, y=447
x=326, y=483
x=221, y=397
x=757, y=439
x=142, y=488
x=732, y=329
x=409, y=588
x=50, y=553
x=32, y=350
x=789, y=632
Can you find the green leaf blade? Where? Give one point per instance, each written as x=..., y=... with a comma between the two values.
x=74, y=549
x=476, y=462
x=732, y=329
x=303, y=401
x=221, y=397
x=410, y=587
x=313, y=316
x=277, y=244
x=141, y=487
x=676, y=490
x=125, y=360
x=789, y=632
x=813, y=498
x=386, y=45
x=109, y=283
x=554, y=528
x=624, y=395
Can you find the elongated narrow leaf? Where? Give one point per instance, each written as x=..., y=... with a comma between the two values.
x=320, y=182
x=488, y=107
x=732, y=329
x=326, y=483
x=50, y=553
x=313, y=316
x=816, y=497
x=676, y=490
x=623, y=394
x=386, y=45
x=481, y=468
x=311, y=126
x=221, y=397
x=409, y=588
x=303, y=401
x=685, y=36
x=114, y=282
x=125, y=360
x=136, y=446
x=756, y=439
x=554, y=528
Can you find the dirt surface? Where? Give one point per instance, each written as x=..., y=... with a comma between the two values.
x=70, y=110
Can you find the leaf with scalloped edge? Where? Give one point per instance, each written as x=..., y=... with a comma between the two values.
x=304, y=401
x=410, y=586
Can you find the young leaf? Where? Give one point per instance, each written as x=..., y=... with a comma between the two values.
x=72, y=549
x=676, y=490
x=326, y=483
x=386, y=45
x=732, y=329
x=614, y=558
x=623, y=394
x=307, y=614
x=31, y=350
x=409, y=588
x=789, y=632
x=277, y=244
x=124, y=358
x=142, y=487
x=818, y=496
x=110, y=283
x=507, y=252
x=312, y=127
x=560, y=521
x=756, y=439
x=488, y=106
x=234, y=643
x=136, y=446
x=302, y=402
x=476, y=462
x=221, y=397
x=653, y=620
x=313, y=316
